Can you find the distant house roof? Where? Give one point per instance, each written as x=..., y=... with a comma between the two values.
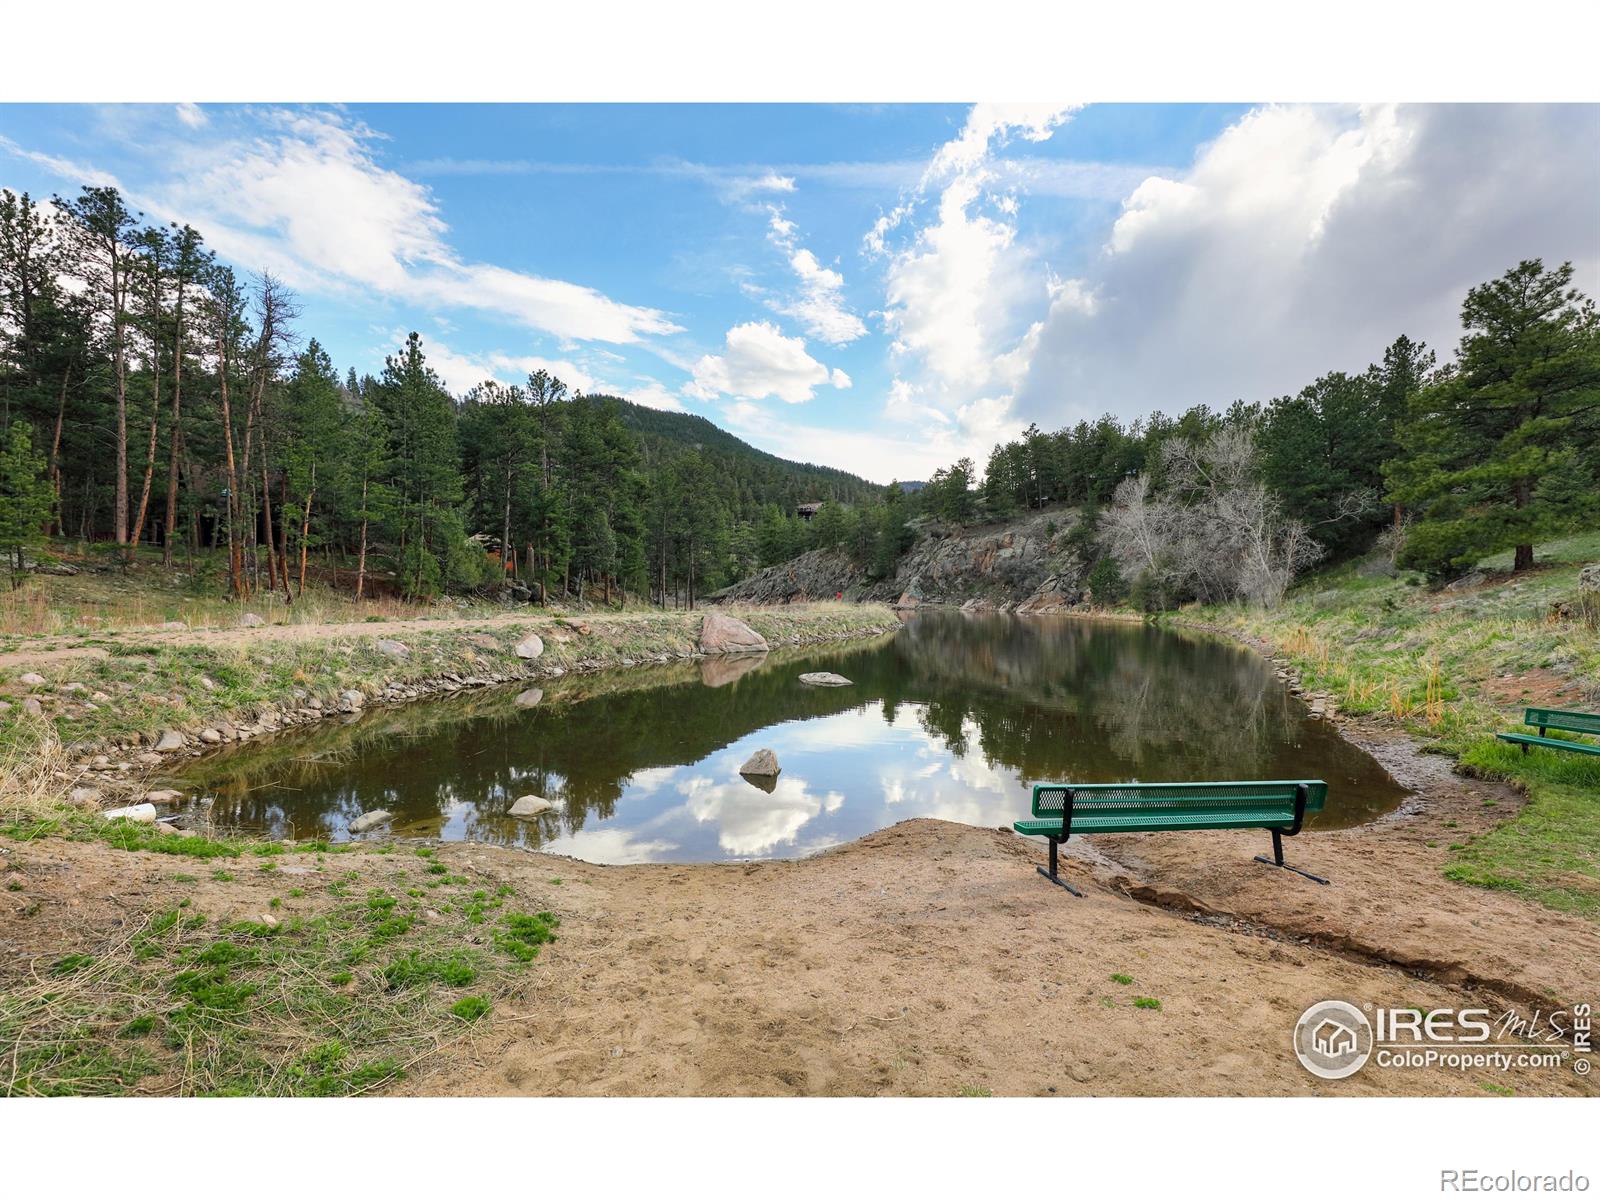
x=806, y=511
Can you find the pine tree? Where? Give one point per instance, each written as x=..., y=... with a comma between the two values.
x=25, y=495
x=1504, y=449
x=424, y=469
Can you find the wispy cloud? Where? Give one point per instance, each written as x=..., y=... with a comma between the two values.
x=302, y=194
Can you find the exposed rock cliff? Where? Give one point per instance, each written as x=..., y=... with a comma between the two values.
x=1023, y=564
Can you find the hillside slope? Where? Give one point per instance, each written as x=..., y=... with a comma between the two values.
x=760, y=477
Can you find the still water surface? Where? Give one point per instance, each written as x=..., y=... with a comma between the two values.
x=955, y=716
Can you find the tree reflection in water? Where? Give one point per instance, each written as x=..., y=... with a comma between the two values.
x=955, y=716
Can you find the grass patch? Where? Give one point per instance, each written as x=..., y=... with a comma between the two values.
x=470, y=1008
x=341, y=1002
x=1149, y=1002
x=1119, y=977
x=522, y=935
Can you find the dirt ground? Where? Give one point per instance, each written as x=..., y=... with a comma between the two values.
x=930, y=959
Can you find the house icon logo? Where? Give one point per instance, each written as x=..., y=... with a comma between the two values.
x=1333, y=1039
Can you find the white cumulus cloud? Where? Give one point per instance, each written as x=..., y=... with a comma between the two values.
x=1304, y=239
x=758, y=361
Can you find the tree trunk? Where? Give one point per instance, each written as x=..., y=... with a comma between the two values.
x=149, y=463
x=305, y=528
x=235, y=558
x=361, y=558
x=55, y=451
x=118, y=360
x=266, y=517
x=177, y=417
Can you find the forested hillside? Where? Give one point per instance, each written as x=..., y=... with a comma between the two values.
x=150, y=394
x=752, y=478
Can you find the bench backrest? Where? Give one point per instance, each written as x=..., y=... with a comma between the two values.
x=1180, y=799
x=1557, y=718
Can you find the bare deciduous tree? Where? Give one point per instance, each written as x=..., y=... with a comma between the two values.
x=1217, y=533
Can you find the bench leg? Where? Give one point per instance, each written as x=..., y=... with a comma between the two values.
x=1052, y=874
x=1277, y=859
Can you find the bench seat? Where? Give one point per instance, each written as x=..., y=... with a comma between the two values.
x=1157, y=820
x=1530, y=739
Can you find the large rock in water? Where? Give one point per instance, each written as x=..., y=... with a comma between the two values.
x=762, y=762
x=722, y=634
x=824, y=679
x=370, y=820
x=529, y=807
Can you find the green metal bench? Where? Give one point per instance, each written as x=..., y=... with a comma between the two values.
x=1278, y=805
x=1545, y=719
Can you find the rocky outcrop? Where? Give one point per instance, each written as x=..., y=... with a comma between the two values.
x=824, y=679
x=1024, y=564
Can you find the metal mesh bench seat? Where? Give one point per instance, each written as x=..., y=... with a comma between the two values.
x=1277, y=805
x=1546, y=719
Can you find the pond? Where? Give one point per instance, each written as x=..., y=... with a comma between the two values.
x=954, y=716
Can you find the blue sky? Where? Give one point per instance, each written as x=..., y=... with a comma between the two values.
x=881, y=288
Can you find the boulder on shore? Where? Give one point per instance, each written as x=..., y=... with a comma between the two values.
x=824, y=679
x=762, y=762
x=528, y=807
x=145, y=814
x=393, y=648
x=722, y=634
x=370, y=820
x=170, y=740
x=529, y=647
